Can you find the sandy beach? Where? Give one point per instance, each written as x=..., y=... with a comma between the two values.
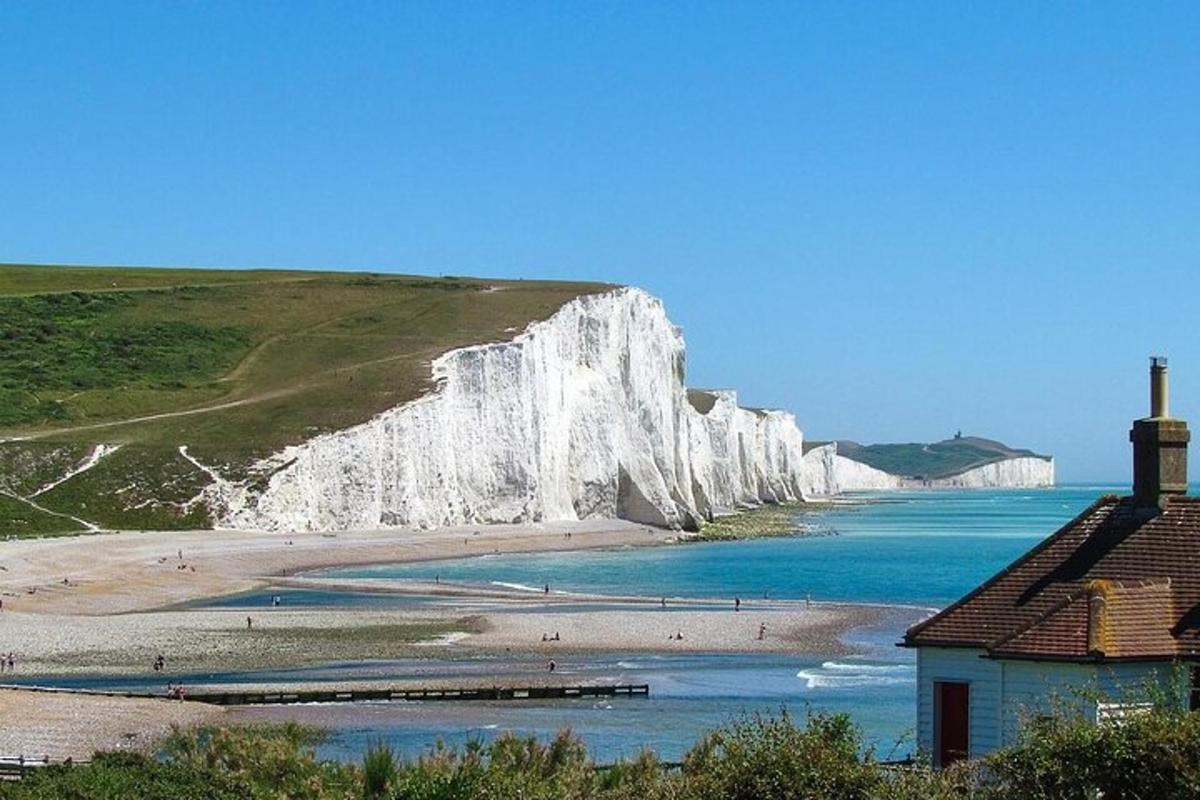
x=110, y=604
x=62, y=725
x=111, y=573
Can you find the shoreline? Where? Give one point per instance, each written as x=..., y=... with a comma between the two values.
x=125, y=597
x=137, y=571
x=100, y=606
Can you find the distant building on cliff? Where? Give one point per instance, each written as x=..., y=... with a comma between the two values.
x=1089, y=618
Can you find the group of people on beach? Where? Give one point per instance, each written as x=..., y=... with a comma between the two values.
x=6, y=662
x=548, y=638
x=181, y=566
x=160, y=663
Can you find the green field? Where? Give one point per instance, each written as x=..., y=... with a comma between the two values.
x=233, y=364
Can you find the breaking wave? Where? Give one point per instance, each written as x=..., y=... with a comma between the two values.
x=840, y=675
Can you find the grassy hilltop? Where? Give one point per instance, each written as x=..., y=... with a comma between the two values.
x=234, y=364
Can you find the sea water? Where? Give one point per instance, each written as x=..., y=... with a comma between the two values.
x=923, y=548
x=915, y=550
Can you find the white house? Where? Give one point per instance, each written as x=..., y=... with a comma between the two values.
x=1098, y=616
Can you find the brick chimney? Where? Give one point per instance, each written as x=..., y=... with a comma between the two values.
x=1159, y=445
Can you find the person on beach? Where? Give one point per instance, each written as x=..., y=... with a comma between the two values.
x=557, y=637
x=737, y=604
x=10, y=662
x=552, y=666
x=808, y=600
x=664, y=602
x=249, y=623
x=762, y=631
x=546, y=590
x=545, y=637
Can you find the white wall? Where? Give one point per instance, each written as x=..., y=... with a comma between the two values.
x=983, y=676
x=1007, y=693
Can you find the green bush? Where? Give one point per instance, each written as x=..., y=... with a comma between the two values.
x=379, y=771
x=1151, y=756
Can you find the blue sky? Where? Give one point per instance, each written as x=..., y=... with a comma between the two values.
x=895, y=219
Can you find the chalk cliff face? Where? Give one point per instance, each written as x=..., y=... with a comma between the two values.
x=848, y=475
x=1017, y=472
x=583, y=415
x=854, y=476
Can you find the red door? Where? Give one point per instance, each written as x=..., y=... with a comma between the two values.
x=951, y=722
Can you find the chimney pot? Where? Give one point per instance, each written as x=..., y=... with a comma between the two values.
x=1159, y=400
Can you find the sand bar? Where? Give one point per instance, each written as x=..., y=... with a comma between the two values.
x=111, y=573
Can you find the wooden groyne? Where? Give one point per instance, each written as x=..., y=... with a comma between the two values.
x=255, y=698
x=14, y=768
x=252, y=697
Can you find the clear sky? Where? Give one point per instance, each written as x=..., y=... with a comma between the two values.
x=896, y=220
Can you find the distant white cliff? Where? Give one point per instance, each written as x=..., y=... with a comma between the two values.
x=583, y=415
x=1027, y=472
x=849, y=475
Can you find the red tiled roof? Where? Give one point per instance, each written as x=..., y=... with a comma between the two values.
x=1118, y=581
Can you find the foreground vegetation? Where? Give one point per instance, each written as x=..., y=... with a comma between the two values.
x=1154, y=755
x=233, y=364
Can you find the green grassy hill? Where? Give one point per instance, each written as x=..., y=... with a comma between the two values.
x=233, y=364
x=932, y=461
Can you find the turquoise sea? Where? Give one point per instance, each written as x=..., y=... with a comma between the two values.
x=915, y=551
x=922, y=548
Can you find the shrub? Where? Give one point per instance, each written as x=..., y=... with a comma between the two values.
x=1155, y=754
x=379, y=770
x=1152, y=755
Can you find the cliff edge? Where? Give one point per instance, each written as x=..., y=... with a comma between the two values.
x=582, y=415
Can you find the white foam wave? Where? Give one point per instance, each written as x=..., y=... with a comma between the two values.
x=835, y=666
x=838, y=675
x=520, y=587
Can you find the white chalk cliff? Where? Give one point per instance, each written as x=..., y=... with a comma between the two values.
x=584, y=415
x=848, y=475
x=1020, y=472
